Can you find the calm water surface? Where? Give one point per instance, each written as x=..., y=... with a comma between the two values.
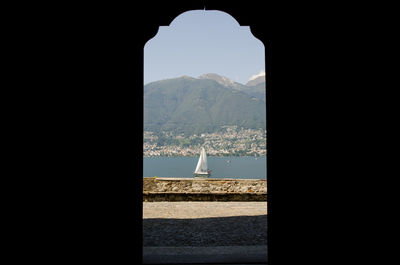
x=222, y=167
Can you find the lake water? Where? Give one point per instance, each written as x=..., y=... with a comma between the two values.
x=183, y=167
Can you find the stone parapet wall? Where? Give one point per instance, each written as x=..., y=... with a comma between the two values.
x=185, y=189
x=175, y=196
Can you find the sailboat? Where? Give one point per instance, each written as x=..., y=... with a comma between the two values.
x=202, y=170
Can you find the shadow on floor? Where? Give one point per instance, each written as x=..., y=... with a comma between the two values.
x=221, y=231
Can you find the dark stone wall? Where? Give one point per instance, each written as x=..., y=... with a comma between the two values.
x=78, y=115
x=82, y=121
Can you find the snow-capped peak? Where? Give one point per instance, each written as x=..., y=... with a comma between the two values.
x=220, y=79
x=261, y=73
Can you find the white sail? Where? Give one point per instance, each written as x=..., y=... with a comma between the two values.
x=202, y=167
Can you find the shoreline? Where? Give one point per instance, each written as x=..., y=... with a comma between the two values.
x=210, y=178
x=207, y=156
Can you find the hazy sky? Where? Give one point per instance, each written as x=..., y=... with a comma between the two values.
x=203, y=41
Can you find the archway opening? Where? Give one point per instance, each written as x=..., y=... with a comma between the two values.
x=204, y=87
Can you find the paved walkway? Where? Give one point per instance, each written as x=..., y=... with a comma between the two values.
x=167, y=224
x=204, y=232
x=197, y=255
x=184, y=210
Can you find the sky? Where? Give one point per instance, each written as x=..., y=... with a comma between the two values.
x=203, y=41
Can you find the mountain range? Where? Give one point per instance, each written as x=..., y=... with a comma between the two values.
x=195, y=105
x=254, y=87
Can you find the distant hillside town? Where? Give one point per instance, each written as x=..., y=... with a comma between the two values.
x=228, y=141
x=227, y=118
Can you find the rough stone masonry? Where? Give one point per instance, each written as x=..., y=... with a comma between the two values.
x=192, y=189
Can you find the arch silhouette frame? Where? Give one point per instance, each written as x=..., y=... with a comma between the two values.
x=260, y=28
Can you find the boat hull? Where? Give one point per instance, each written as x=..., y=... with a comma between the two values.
x=202, y=175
